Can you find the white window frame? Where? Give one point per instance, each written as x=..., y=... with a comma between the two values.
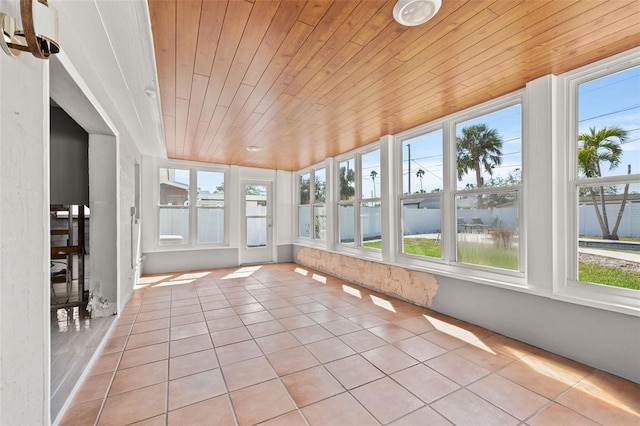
x=399, y=140
x=357, y=247
x=193, y=169
x=566, y=285
x=313, y=203
x=448, y=265
x=350, y=248
x=318, y=204
x=299, y=204
x=361, y=199
x=513, y=99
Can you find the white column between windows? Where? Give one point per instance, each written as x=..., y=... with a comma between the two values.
x=388, y=199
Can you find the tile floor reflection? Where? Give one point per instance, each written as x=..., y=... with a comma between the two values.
x=284, y=345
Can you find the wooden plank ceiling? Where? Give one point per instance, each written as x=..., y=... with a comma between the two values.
x=306, y=80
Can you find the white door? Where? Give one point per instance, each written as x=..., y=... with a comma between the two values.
x=257, y=223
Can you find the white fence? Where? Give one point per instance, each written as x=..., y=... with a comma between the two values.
x=629, y=225
x=174, y=225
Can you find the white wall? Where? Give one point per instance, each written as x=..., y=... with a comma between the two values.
x=602, y=339
x=129, y=229
x=103, y=225
x=103, y=76
x=24, y=239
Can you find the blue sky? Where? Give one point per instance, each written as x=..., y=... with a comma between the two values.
x=426, y=151
x=614, y=100
x=207, y=181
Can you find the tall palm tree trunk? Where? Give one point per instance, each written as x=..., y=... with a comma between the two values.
x=594, y=201
x=625, y=195
x=605, y=218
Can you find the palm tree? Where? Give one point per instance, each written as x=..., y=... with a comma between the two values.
x=596, y=147
x=420, y=174
x=478, y=148
x=347, y=178
x=373, y=178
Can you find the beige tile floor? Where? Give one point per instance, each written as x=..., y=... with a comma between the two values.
x=283, y=345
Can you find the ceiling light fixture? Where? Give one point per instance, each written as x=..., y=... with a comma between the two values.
x=415, y=12
x=253, y=148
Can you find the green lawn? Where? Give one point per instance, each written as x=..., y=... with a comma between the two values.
x=497, y=257
x=488, y=255
x=418, y=246
x=608, y=275
x=423, y=247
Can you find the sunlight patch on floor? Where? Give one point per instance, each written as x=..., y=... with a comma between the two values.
x=153, y=279
x=459, y=333
x=383, y=303
x=193, y=275
x=352, y=291
x=319, y=278
x=174, y=282
x=605, y=395
x=243, y=272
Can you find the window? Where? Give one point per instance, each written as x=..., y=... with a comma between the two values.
x=304, y=208
x=311, y=208
x=488, y=169
x=359, y=204
x=174, y=206
x=346, y=211
x=421, y=199
x=191, y=206
x=606, y=180
x=210, y=206
x=319, y=210
x=370, y=205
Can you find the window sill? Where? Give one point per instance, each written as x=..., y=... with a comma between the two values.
x=188, y=247
x=600, y=297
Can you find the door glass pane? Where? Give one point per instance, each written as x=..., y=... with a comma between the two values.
x=346, y=221
x=421, y=218
x=256, y=212
x=256, y=200
x=256, y=232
